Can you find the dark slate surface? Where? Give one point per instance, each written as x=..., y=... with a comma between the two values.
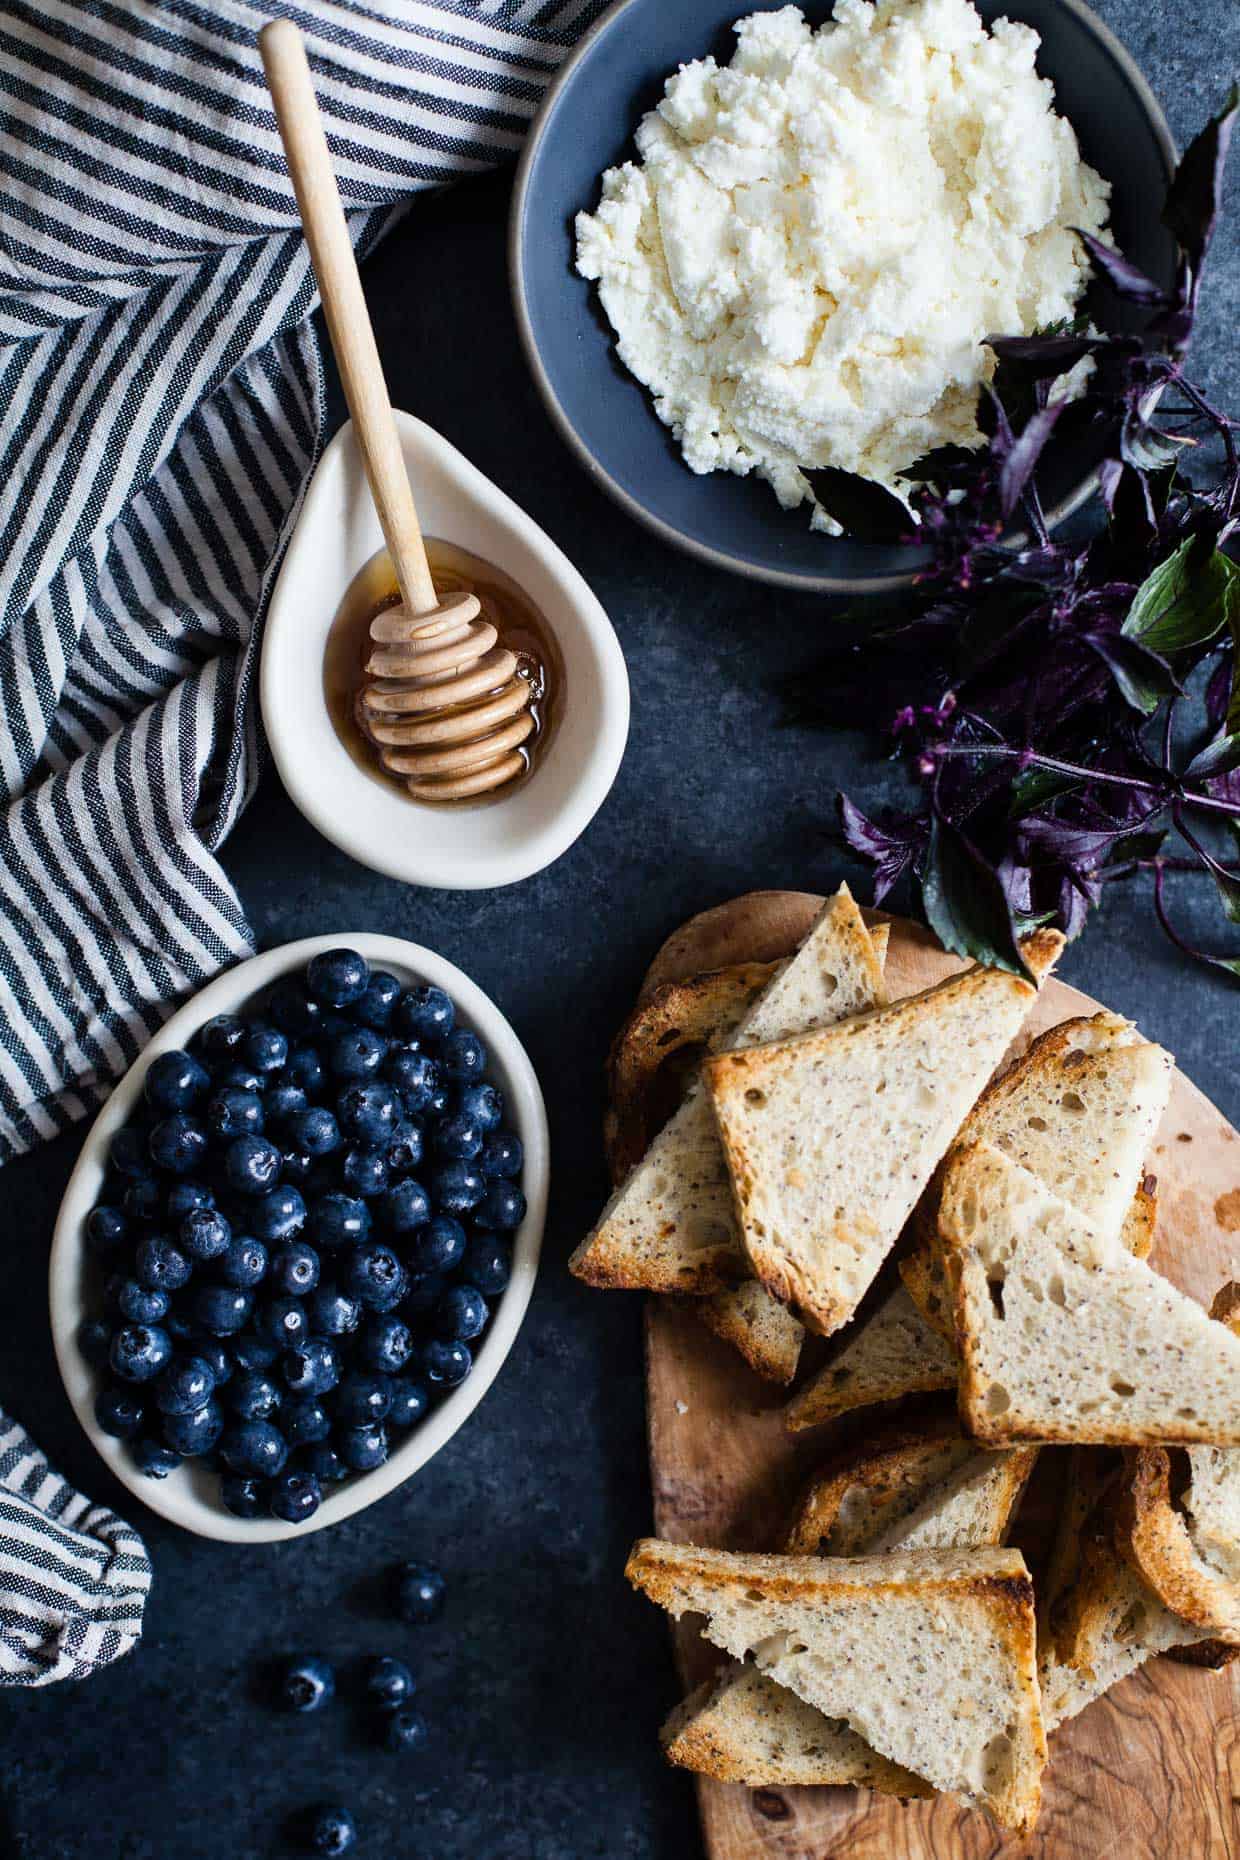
x=546, y=1680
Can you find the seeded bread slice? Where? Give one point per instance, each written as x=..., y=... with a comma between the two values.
x=896, y=1353
x=1063, y=1335
x=764, y=1331
x=1179, y=1519
x=1079, y=1111
x=670, y=1226
x=831, y=1137
x=929, y=1655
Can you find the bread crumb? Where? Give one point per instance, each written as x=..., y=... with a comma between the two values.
x=682, y=1407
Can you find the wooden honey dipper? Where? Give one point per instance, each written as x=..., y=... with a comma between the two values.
x=445, y=706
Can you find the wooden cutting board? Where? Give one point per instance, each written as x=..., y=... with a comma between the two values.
x=1151, y=1771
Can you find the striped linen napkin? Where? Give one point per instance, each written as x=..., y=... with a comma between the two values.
x=161, y=404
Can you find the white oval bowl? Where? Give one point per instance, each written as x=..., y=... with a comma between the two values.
x=189, y=1496
x=465, y=849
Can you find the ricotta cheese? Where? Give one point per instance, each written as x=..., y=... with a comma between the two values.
x=804, y=263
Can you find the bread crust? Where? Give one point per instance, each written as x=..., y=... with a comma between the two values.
x=930, y=1366
x=884, y=1466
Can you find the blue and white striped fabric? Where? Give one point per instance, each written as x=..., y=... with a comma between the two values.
x=161, y=403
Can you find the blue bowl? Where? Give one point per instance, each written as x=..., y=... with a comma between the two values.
x=587, y=123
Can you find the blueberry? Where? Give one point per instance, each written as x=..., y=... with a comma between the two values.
x=216, y=1357
x=139, y=1351
x=264, y=1049
x=386, y=1345
x=251, y=1165
x=296, y=1167
x=315, y=1131
x=322, y=1459
x=439, y=1247
x=187, y=1383
x=184, y=1197
x=458, y=1139
x=357, y=1054
x=178, y=1144
x=295, y=1496
x=330, y=1830
x=405, y=1150
x=337, y=977
x=375, y=1275
x=312, y=1367
x=414, y=1075
x=444, y=1365
x=305, y=1068
x=333, y=1313
x=204, y=1234
x=283, y=1322
x=255, y=1448
x=119, y=1412
x=410, y=1402
x=154, y=1459
x=234, y=1112
x=94, y=1340
x=388, y=1683
x=464, y=1056
x=139, y=1304
x=142, y=1199
x=253, y=1396
x=406, y=1206
x=370, y=1112
x=294, y=1269
x=305, y=1423
x=461, y=1314
x=440, y=1102
x=305, y=1685
x=422, y=1297
x=290, y=1008
x=363, y=1448
x=252, y=1352
x=487, y=1264
x=457, y=1188
x=160, y=1266
x=106, y=1231
x=245, y=1498
x=484, y=1105
x=420, y=1593
x=339, y=1220
x=128, y=1152
x=501, y=1155
x=219, y=1038
x=175, y=1081
x=406, y=1730
x=362, y=1398
x=374, y=1007
x=195, y=1432
x=244, y=1262
x=502, y=1206
x=278, y=1215
x=364, y=1171
x=424, y=1012
x=221, y=1309
x=179, y=1326
x=283, y=1102
x=240, y=1077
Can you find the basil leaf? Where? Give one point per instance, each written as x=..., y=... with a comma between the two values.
x=1142, y=677
x=1137, y=846
x=1022, y=460
x=1186, y=601
x=965, y=904
x=940, y=462
x=1195, y=195
x=1124, y=278
x=1035, y=786
x=862, y=508
x=1217, y=758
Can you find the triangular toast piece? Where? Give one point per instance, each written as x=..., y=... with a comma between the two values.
x=764, y=1331
x=1063, y=1335
x=670, y=1226
x=928, y=1655
x=831, y=1137
x=895, y=1353
x=1079, y=1111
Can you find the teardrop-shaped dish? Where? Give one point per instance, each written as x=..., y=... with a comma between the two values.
x=465, y=848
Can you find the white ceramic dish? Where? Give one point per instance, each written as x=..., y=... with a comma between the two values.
x=189, y=1496
x=457, y=848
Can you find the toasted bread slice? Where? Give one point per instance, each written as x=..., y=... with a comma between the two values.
x=1079, y=1111
x=1179, y=1519
x=670, y=1226
x=1063, y=1335
x=928, y=1655
x=831, y=1137
x=764, y=1331
x=896, y=1353
x=1099, y=1621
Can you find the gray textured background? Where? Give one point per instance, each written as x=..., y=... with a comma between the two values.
x=545, y=1681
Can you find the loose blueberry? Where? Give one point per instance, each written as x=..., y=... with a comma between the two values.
x=414, y=1074
x=94, y=1340
x=295, y=1496
x=234, y=1112
x=204, y=1234
x=362, y=1398
x=457, y=1188
x=253, y=1396
x=461, y=1314
x=245, y=1498
x=221, y=1309
x=251, y=1352
x=410, y=1402
x=143, y=1199
x=312, y=1367
x=305, y=1685
x=338, y=1220
x=244, y=1078
x=265, y=1049
x=251, y=1165
x=119, y=1412
x=388, y=1683
x=406, y=1730
x=138, y=1304
x=282, y=1321
x=406, y=1149
x=217, y=1358
x=140, y=1351
x=324, y=1462
x=357, y=1054
x=128, y=1152
x=279, y=1215
x=333, y=1313
x=371, y=1112
x=184, y=1197
x=283, y=1102
x=180, y=1326
x=363, y=1448
x=420, y=1300
x=106, y=1231
x=219, y=1039
x=154, y=1459
x=187, y=1383
x=406, y=1207
x=375, y=1275
x=445, y=1365
x=178, y=1144
x=305, y=1069
x=296, y=1168
x=420, y=1593
x=487, y=1264
x=294, y=1270
x=374, y=1007
x=255, y=1448
x=330, y=1830
x=464, y=1056
x=175, y=1081
x=483, y=1105
x=438, y=1247
x=315, y=1131
x=458, y=1139
x=502, y=1206
x=424, y=1012
x=337, y=977
x=364, y=1171
x=195, y=1432
x=244, y=1262
x=387, y=1344
x=501, y=1154
x=290, y=1008
x=160, y=1266
x=305, y=1423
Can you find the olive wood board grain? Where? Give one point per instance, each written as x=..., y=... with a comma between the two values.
x=1149, y=1772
